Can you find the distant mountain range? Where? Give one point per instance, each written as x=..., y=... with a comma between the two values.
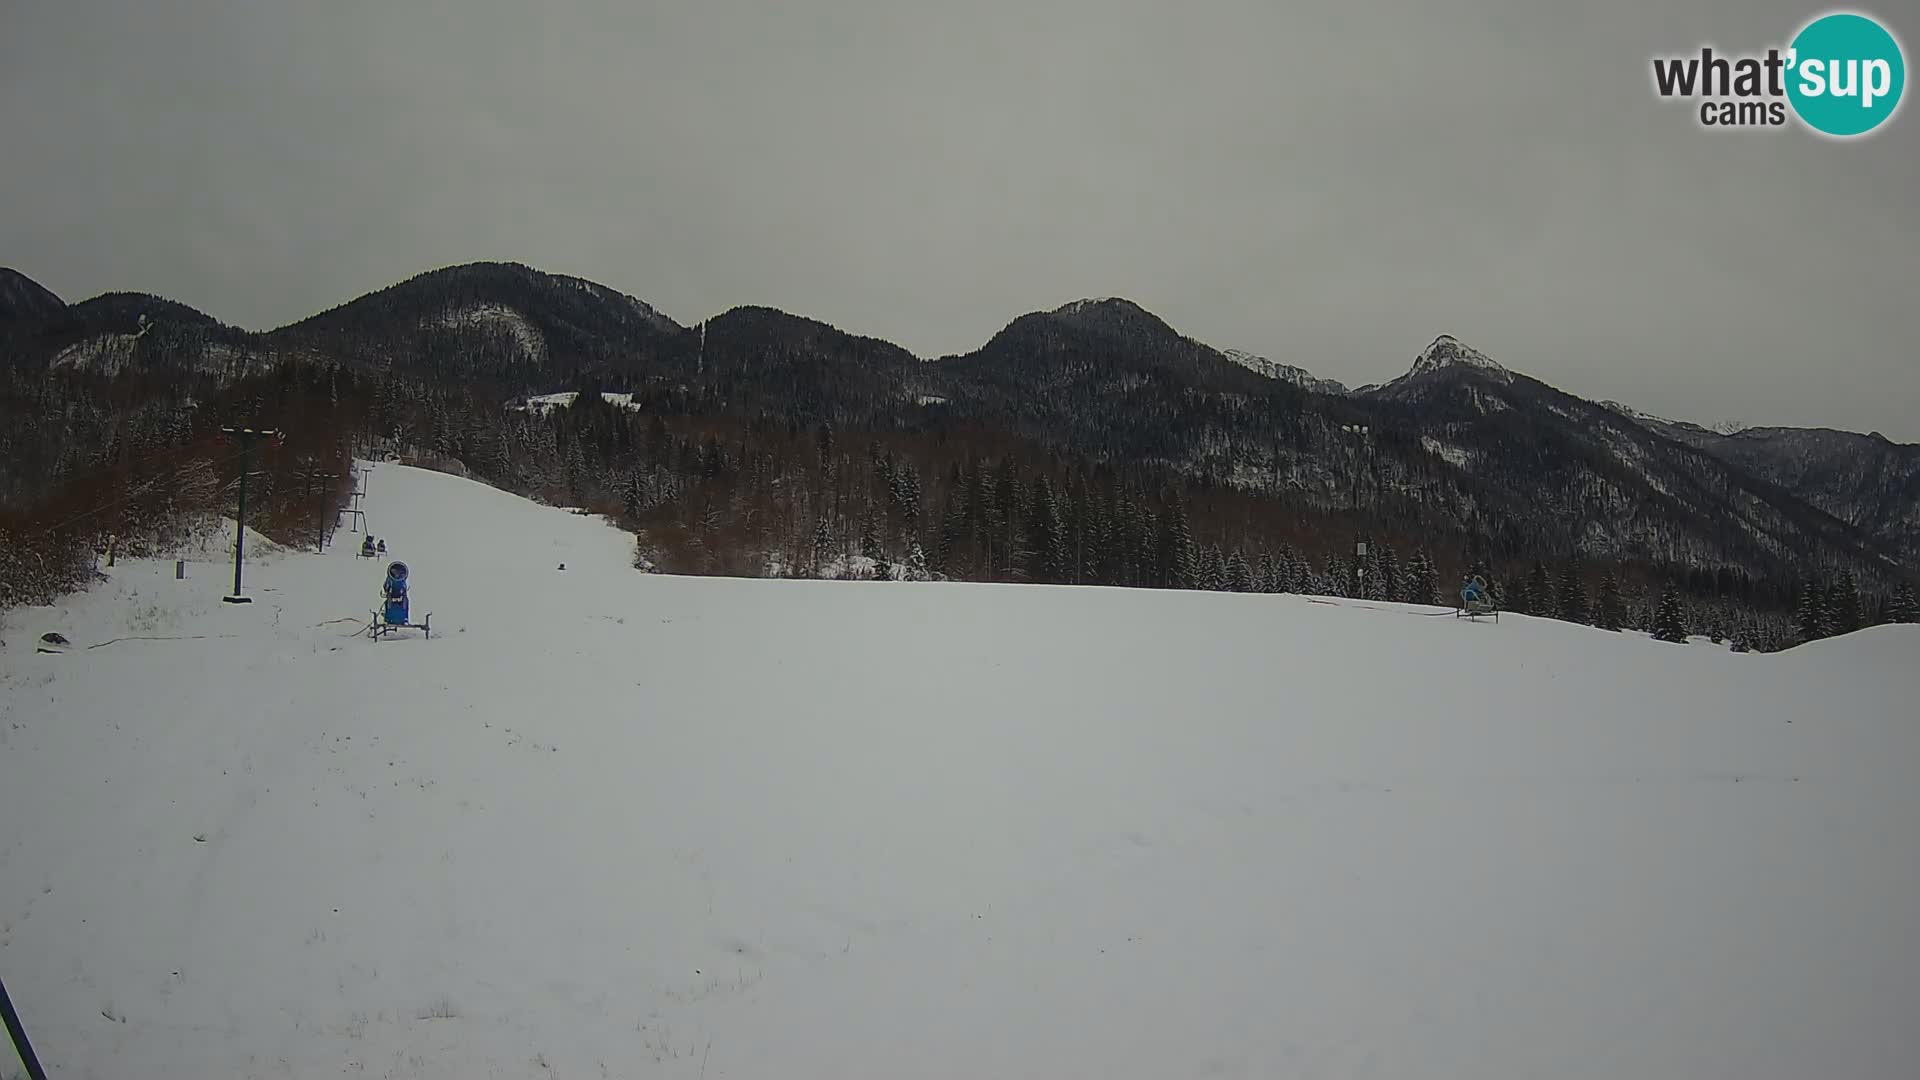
x=1458, y=441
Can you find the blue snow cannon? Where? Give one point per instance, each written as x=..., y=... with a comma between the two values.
x=1476, y=599
x=394, y=590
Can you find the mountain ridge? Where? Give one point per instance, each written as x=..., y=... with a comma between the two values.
x=1457, y=441
x=1288, y=373
x=23, y=299
x=1443, y=351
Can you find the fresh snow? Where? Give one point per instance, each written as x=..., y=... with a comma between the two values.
x=1076, y=307
x=1446, y=351
x=545, y=403
x=1632, y=413
x=610, y=824
x=1289, y=373
x=1443, y=353
x=1458, y=457
x=106, y=355
x=1718, y=427
x=499, y=318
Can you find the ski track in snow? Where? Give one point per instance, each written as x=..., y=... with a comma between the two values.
x=615, y=824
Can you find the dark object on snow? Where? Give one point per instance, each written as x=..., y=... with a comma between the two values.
x=366, y=547
x=247, y=438
x=563, y=566
x=382, y=547
x=54, y=639
x=19, y=1034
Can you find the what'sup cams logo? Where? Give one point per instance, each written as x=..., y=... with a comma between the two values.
x=1841, y=76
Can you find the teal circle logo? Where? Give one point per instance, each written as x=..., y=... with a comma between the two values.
x=1845, y=74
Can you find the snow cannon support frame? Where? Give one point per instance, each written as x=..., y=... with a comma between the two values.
x=380, y=627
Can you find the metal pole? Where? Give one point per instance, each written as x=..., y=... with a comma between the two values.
x=324, y=478
x=19, y=1033
x=249, y=438
x=240, y=527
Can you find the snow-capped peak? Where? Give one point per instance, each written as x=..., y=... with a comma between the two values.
x=1117, y=316
x=1447, y=350
x=1288, y=373
x=1080, y=307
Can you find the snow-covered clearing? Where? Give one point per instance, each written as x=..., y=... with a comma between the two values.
x=1453, y=455
x=607, y=824
x=545, y=403
x=498, y=318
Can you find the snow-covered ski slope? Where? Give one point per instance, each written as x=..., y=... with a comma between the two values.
x=608, y=824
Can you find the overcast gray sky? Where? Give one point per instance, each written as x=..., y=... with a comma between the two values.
x=1329, y=185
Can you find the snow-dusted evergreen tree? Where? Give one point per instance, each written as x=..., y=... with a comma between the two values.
x=1080, y=535
x=1178, y=565
x=630, y=496
x=1294, y=570
x=1639, y=609
x=870, y=547
x=1239, y=574
x=1843, y=608
x=917, y=563
x=1213, y=569
x=1423, y=581
x=904, y=490
x=1610, y=613
x=1339, y=576
x=954, y=527
x=1573, y=596
x=1187, y=565
x=1538, y=597
x=1045, y=535
x=1383, y=577
x=822, y=545
x=1810, y=614
x=823, y=446
x=1267, y=578
x=1670, y=621
x=1902, y=608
